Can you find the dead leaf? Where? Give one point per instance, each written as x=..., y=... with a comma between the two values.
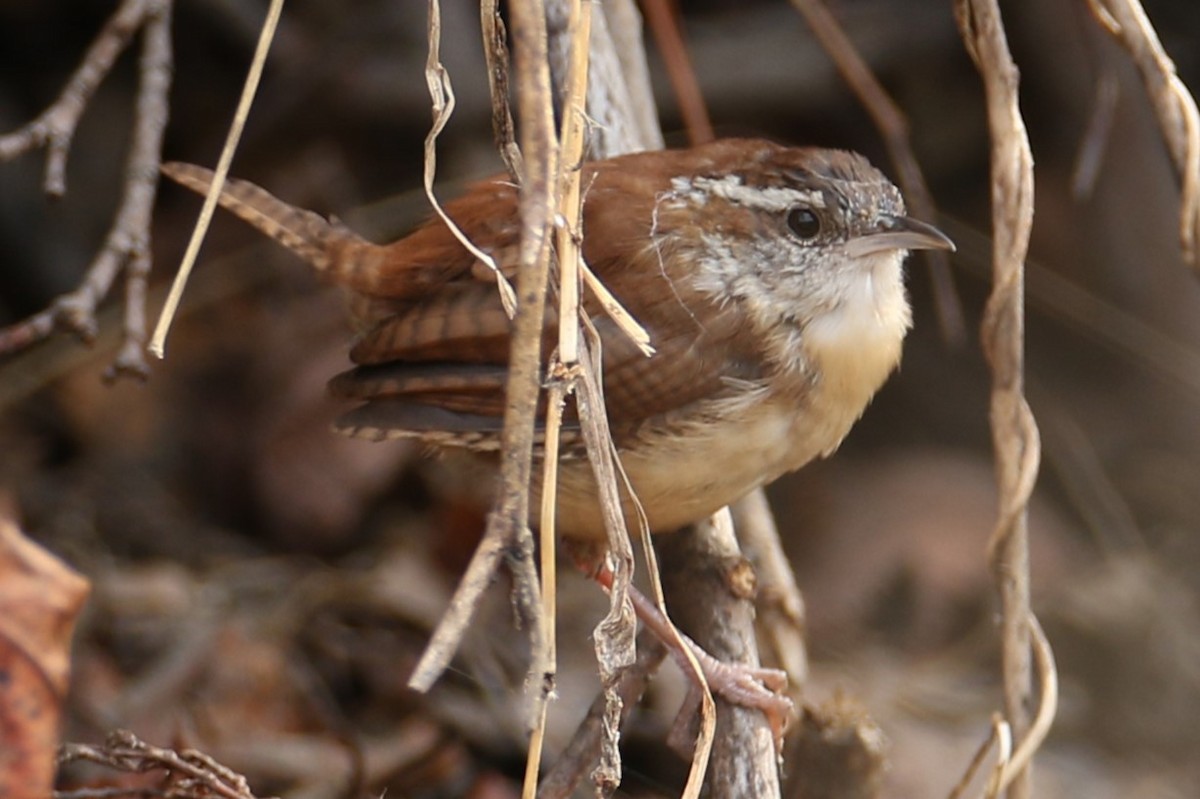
x=40, y=598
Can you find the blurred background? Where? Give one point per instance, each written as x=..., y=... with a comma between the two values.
x=263, y=587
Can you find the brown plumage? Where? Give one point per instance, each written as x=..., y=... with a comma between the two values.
x=769, y=342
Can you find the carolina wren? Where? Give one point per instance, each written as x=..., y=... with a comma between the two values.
x=769, y=279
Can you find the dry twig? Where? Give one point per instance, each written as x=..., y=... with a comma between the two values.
x=564, y=371
x=1014, y=432
x=508, y=524
x=1173, y=104
x=189, y=774
x=495, y=52
x=126, y=248
x=1013, y=763
x=550, y=190
x=577, y=369
x=584, y=749
x=616, y=102
x=663, y=19
x=1000, y=738
x=249, y=90
x=441, y=94
x=580, y=363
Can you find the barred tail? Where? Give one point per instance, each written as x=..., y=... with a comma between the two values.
x=309, y=235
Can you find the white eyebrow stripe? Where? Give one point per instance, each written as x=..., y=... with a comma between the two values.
x=730, y=187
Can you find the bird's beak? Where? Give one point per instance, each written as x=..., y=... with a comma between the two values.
x=899, y=233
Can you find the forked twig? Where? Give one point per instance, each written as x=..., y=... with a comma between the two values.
x=55, y=127
x=126, y=248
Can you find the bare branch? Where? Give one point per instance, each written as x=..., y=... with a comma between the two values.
x=1019, y=762
x=621, y=115
x=710, y=587
x=127, y=245
x=55, y=127
x=622, y=23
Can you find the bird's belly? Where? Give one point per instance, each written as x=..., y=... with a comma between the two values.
x=682, y=476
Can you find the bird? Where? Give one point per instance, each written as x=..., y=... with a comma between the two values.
x=769, y=279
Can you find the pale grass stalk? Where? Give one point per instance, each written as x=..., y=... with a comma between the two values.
x=249, y=91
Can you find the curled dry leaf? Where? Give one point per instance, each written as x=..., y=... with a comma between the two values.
x=40, y=598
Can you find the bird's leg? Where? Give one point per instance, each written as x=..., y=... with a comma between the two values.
x=747, y=686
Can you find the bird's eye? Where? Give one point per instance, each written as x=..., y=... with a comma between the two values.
x=804, y=223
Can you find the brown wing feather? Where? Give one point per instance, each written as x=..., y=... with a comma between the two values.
x=637, y=389
x=386, y=419
x=462, y=328
x=466, y=324
x=686, y=368
x=398, y=379
x=437, y=339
